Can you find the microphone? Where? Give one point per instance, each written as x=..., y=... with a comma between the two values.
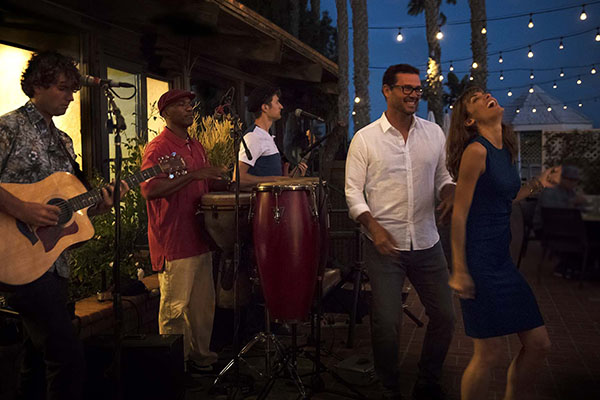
x=88, y=80
x=301, y=113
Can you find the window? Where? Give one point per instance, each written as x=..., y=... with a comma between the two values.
x=13, y=62
x=128, y=109
x=154, y=89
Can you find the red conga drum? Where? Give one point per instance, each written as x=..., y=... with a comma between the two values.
x=286, y=244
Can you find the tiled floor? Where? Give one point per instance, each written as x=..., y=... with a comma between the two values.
x=571, y=371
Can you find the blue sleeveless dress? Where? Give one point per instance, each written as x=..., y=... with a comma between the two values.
x=504, y=302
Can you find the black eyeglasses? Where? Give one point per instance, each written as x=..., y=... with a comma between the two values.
x=407, y=89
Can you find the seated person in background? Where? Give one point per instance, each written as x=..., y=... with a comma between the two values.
x=563, y=195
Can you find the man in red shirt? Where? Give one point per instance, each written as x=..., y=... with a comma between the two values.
x=177, y=249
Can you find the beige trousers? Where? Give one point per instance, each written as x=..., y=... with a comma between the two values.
x=187, y=305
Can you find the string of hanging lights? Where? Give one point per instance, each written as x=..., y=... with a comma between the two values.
x=582, y=16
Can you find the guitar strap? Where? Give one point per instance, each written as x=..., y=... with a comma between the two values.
x=78, y=172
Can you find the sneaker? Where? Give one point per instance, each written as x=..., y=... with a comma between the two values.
x=193, y=368
x=428, y=391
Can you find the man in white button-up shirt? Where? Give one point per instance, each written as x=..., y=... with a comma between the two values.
x=394, y=170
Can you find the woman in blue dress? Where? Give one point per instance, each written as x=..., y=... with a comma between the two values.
x=495, y=298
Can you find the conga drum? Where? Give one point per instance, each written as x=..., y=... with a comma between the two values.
x=285, y=227
x=322, y=194
x=218, y=213
x=218, y=209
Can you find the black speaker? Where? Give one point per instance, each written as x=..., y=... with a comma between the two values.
x=152, y=367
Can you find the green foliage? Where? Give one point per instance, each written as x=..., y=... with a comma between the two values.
x=90, y=259
x=455, y=88
x=576, y=148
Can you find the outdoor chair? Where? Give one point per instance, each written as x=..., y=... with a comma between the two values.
x=564, y=232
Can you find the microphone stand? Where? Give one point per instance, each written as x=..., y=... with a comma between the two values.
x=317, y=383
x=238, y=138
x=116, y=124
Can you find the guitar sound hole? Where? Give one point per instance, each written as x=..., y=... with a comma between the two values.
x=66, y=212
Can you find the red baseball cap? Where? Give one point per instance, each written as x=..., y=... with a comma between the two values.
x=172, y=96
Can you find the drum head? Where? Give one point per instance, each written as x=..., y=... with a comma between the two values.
x=304, y=183
x=223, y=199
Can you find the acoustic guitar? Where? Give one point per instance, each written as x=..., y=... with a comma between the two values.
x=27, y=252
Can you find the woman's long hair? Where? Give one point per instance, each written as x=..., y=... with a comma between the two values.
x=461, y=135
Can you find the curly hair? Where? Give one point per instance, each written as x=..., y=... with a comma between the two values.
x=460, y=135
x=44, y=70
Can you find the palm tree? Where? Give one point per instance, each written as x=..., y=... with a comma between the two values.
x=360, y=40
x=295, y=17
x=315, y=9
x=433, y=22
x=479, y=42
x=455, y=87
x=340, y=132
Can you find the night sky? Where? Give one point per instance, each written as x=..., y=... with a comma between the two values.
x=580, y=51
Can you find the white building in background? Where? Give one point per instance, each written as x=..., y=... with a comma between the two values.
x=532, y=114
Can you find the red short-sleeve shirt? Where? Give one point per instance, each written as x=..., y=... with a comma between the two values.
x=173, y=230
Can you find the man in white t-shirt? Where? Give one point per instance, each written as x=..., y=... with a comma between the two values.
x=265, y=164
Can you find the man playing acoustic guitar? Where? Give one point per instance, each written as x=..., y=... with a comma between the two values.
x=32, y=149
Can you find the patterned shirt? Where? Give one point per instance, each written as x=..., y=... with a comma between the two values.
x=30, y=152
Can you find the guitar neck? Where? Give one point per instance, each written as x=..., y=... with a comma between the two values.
x=94, y=196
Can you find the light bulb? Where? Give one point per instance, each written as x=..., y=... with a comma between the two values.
x=533, y=110
x=357, y=99
x=554, y=86
x=451, y=68
x=562, y=73
x=597, y=34
x=531, y=76
x=549, y=109
x=530, y=24
x=441, y=78
x=509, y=93
x=470, y=78
x=451, y=106
x=583, y=15
x=399, y=38
x=500, y=60
x=353, y=112
x=483, y=30
x=531, y=90
x=580, y=104
x=565, y=107
x=439, y=35
x=474, y=65
x=593, y=71
x=530, y=53
x=501, y=76
x=579, y=81
x=561, y=45
x=517, y=111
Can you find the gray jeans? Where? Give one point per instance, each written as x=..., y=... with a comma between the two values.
x=427, y=271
